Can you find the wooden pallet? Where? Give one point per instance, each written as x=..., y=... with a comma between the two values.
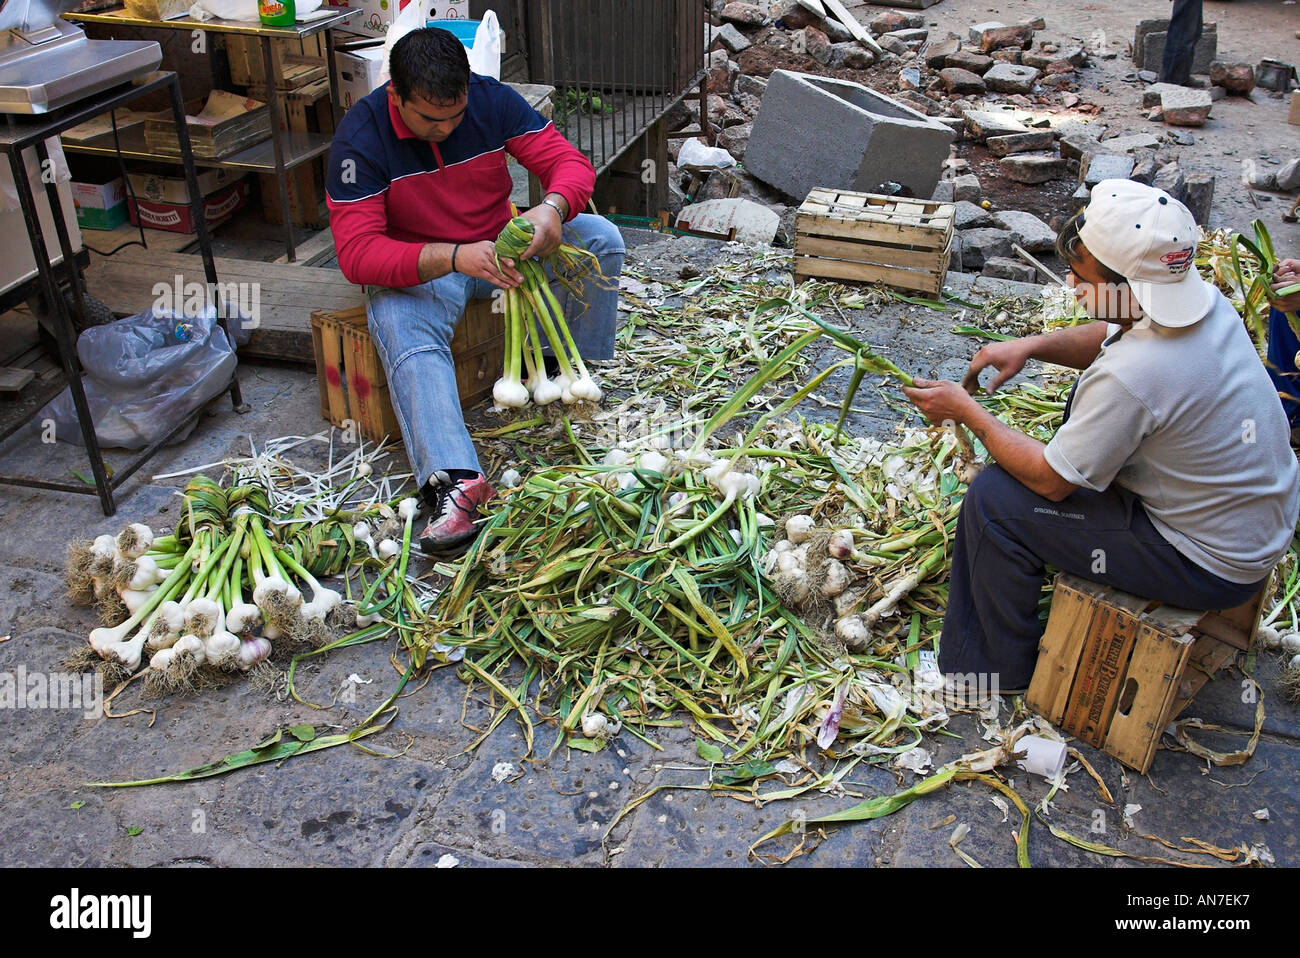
x=1115, y=669
x=866, y=237
x=351, y=377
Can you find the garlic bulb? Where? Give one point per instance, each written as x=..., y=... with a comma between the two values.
x=799, y=528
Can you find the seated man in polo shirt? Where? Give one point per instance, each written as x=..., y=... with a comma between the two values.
x=417, y=191
x=1172, y=476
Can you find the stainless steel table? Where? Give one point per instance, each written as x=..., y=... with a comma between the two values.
x=20, y=133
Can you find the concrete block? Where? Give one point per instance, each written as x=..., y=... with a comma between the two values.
x=1001, y=267
x=892, y=20
x=1200, y=196
x=1238, y=78
x=731, y=38
x=746, y=14
x=936, y=52
x=910, y=36
x=970, y=60
x=1027, y=231
x=978, y=246
x=966, y=187
x=1075, y=145
x=1152, y=49
x=1000, y=38
x=960, y=82
x=977, y=30
x=1144, y=169
x=1095, y=167
x=851, y=55
x=1030, y=168
x=1010, y=78
x=753, y=86
x=1151, y=95
x=1040, y=59
x=876, y=139
x=1020, y=142
x=1172, y=180
x=1186, y=107
x=1127, y=144
x=982, y=124
x=968, y=216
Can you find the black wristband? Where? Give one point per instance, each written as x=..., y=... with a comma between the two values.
x=454, y=250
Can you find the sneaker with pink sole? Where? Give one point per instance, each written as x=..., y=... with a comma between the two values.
x=454, y=513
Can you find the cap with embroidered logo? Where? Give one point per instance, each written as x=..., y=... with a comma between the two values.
x=1149, y=238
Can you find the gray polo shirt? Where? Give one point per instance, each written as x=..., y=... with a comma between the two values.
x=1188, y=420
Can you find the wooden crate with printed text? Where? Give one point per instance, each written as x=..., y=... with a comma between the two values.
x=351, y=378
x=869, y=238
x=1115, y=669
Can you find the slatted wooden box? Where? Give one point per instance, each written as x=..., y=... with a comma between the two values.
x=351, y=377
x=1115, y=669
x=900, y=242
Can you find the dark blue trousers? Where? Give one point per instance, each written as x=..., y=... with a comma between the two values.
x=1180, y=43
x=1282, y=347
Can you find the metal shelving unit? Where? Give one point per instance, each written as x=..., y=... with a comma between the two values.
x=284, y=150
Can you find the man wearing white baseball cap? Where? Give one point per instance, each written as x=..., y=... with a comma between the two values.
x=1172, y=476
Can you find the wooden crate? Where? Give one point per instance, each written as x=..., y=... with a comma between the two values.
x=244, y=55
x=351, y=378
x=1115, y=669
x=873, y=239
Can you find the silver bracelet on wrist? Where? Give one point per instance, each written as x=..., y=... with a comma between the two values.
x=555, y=206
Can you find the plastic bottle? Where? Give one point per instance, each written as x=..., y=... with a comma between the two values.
x=276, y=13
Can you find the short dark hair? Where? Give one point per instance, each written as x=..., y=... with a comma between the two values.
x=431, y=63
x=1068, y=242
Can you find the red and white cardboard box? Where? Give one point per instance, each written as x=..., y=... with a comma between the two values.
x=179, y=218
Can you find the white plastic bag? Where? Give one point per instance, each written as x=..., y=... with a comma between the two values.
x=411, y=17
x=224, y=10
x=485, y=55
x=144, y=374
x=697, y=154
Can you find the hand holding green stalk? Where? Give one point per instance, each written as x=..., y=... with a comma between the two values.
x=1285, y=291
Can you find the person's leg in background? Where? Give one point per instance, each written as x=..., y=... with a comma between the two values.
x=1281, y=365
x=412, y=330
x=1185, y=24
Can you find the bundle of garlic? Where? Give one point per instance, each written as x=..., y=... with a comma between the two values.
x=530, y=307
x=227, y=587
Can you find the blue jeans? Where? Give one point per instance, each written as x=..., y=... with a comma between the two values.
x=412, y=330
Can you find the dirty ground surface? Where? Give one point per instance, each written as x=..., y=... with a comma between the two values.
x=344, y=806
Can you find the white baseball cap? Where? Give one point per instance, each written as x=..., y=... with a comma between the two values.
x=1148, y=237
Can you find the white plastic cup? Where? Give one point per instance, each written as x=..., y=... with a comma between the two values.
x=1043, y=756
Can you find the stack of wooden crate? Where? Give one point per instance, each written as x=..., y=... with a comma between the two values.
x=1115, y=669
x=302, y=85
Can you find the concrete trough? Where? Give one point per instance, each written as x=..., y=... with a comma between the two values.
x=816, y=131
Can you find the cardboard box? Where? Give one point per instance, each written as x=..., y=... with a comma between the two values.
x=158, y=188
x=99, y=198
x=447, y=10
x=178, y=218
x=1294, y=115
x=358, y=72
x=373, y=17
